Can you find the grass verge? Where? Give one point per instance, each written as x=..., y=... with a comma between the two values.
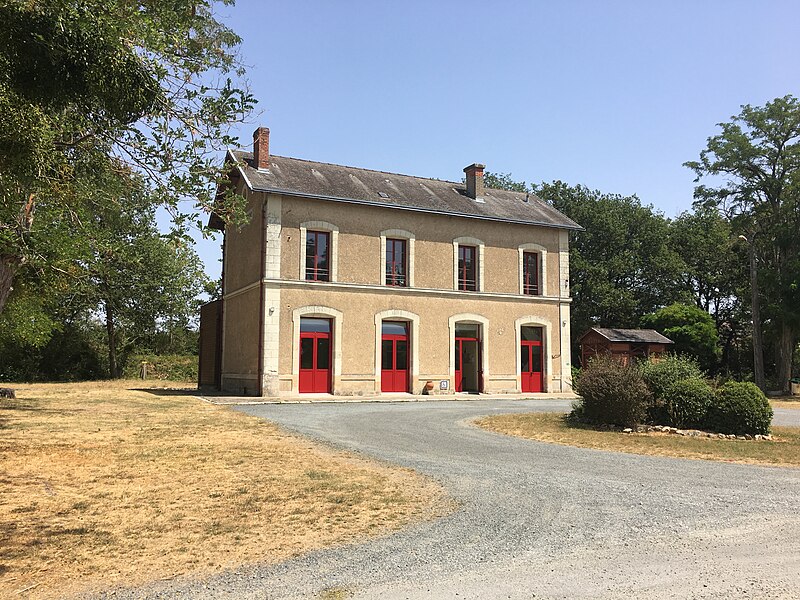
x=784, y=450
x=104, y=486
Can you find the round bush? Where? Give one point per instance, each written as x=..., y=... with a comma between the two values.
x=660, y=376
x=612, y=394
x=740, y=408
x=687, y=401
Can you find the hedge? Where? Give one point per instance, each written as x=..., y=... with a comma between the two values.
x=172, y=367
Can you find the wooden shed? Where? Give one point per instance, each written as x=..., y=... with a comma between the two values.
x=624, y=344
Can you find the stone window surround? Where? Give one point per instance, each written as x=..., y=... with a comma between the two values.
x=468, y=241
x=473, y=319
x=542, y=252
x=413, y=320
x=400, y=234
x=546, y=325
x=333, y=250
x=324, y=312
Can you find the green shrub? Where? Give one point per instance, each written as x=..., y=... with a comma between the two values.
x=660, y=377
x=172, y=367
x=740, y=408
x=576, y=375
x=687, y=401
x=612, y=393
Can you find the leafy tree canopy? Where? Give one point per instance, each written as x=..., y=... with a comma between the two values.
x=504, y=181
x=691, y=328
x=621, y=265
x=90, y=86
x=752, y=174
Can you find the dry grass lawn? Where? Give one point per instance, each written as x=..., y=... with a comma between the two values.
x=785, y=402
x=784, y=450
x=104, y=486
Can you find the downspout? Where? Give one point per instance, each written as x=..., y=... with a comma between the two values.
x=561, y=338
x=221, y=321
x=261, y=306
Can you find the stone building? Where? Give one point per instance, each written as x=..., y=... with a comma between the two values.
x=350, y=281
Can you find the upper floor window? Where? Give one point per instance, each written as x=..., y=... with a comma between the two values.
x=532, y=269
x=467, y=268
x=396, y=262
x=530, y=273
x=397, y=258
x=468, y=256
x=319, y=251
x=318, y=244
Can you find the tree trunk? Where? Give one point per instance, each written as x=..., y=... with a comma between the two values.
x=112, y=342
x=9, y=263
x=786, y=344
x=8, y=268
x=758, y=343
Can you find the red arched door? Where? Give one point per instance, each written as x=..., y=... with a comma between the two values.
x=468, y=370
x=394, y=356
x=315, y=356
x=531, y=359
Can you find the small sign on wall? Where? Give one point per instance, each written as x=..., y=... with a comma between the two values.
x=444, y=384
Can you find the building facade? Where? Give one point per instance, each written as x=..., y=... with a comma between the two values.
x=355, y=282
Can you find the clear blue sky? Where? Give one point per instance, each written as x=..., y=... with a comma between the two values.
x=615, y=95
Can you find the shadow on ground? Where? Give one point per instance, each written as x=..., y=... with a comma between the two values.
x=168, y=391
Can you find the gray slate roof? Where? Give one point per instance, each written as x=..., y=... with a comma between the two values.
x=640, y=336
x=350, y=184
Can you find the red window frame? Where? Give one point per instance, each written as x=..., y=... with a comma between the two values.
x=468, y=269
x=313, y=271
x=313, y=378
x=459, y=362
x=532, y=378
x=394, y=378
x=530, y=273
x=396, y=262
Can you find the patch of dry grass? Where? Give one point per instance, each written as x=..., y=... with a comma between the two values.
x=785, y=402
x=104, y=486
x=783, y=450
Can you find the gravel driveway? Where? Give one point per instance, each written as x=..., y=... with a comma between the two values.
x=538, y=520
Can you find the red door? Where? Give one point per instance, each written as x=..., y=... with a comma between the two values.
x=459, y=383
x=468, y=373
x=532, y=359
x=394, y=356
x=315, y=356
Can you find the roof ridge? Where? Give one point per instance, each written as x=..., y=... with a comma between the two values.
x=319, y=162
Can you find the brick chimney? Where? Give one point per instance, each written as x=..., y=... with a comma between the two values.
x=475, y=180
x=261, y=148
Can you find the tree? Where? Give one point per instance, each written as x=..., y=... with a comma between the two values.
x=691, y=328
x=754, y=167
x=147, y=85
x=130, y=287
x=504, y=181
x=621, y=265
x=714, y=274
x=138, y=280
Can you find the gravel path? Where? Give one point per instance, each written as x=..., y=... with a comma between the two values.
x=537, y=520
